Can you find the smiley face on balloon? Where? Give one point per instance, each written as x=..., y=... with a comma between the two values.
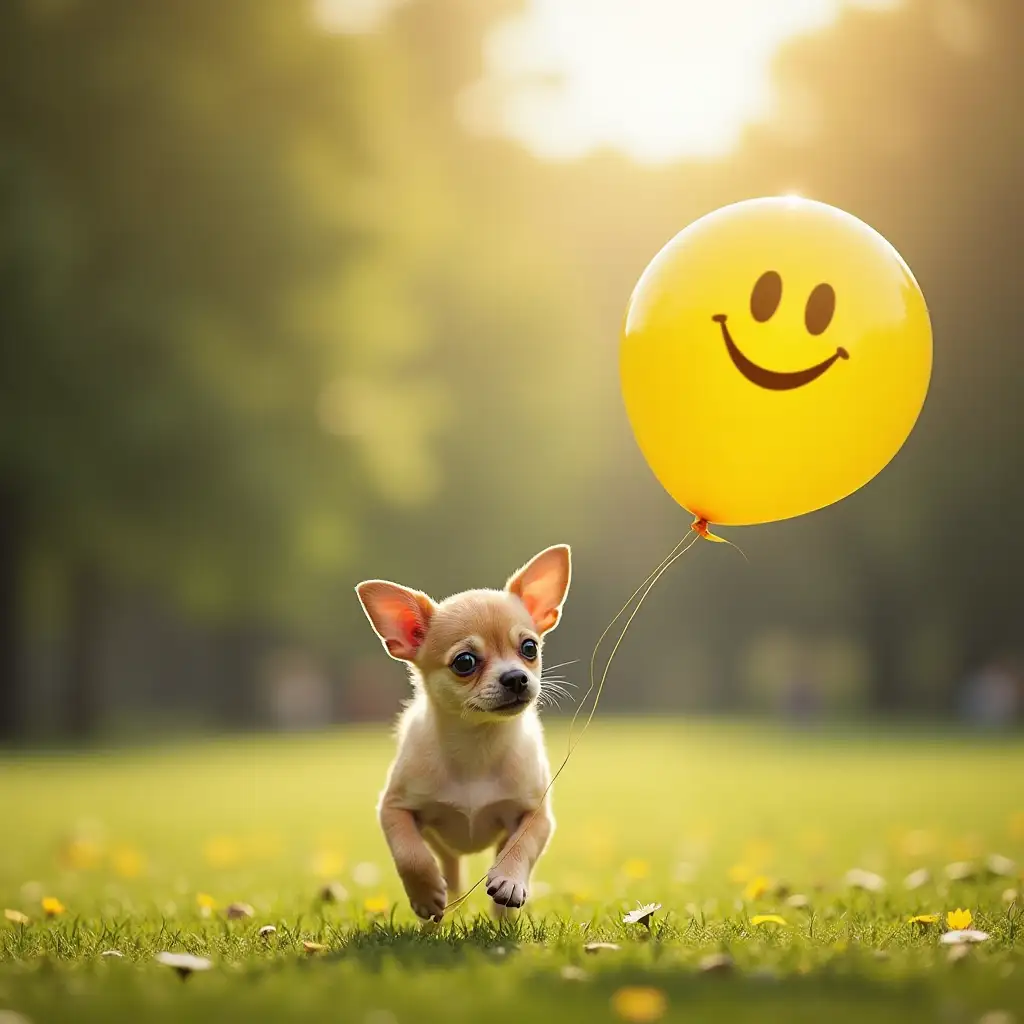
x=775, y=356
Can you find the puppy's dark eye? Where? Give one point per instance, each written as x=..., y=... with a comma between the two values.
x=528, y=649
x=464, y=664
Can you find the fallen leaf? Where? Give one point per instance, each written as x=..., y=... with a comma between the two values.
x=13, y=1017
x=717, y=963
x=642, y=914
x=922, y=876
x=858, y=878
x=997, y=1017
x=366, y=874
x=958, y=953
x=184, y=963
x=961, y=871
x=997, y=864
x=333, y=892
x=964, y=937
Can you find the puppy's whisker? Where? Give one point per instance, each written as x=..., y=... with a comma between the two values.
x=563, y=664
x=553, y=693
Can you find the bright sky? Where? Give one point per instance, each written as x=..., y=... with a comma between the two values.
x=660, y=79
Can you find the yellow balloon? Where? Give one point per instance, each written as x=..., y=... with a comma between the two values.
x=775, y=356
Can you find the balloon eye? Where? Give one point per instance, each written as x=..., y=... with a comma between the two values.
x=464, y=664
x=821, y=305
x=528, y=649
x=766, y=296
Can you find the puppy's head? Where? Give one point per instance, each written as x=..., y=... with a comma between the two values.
x=478, y=653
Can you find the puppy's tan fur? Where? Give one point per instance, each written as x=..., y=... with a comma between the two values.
x=471, y=770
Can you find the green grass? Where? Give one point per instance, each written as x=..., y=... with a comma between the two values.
x=673, y=811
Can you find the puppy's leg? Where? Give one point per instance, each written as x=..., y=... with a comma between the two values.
x=416, y=866
x=509, y=879
x=451, y=869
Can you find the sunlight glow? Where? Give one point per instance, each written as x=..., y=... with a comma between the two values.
x=659, y=79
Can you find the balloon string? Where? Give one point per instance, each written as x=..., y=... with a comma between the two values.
x=643, y=590
x=701, y=527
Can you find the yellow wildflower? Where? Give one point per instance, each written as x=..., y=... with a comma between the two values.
x=262, y=846
x=756, y=888
x=127, y=862
x=222, y=852
x=635, y=869
x=81, y=854
x=758, y=919
x=376, y=904
x=923, y=919
x=327, y=863
x=205, y=902
x=959, y=919
x=812, y=841
x=740, y=873
x=917, y=843
x=1015, y=826
x=758, y=852
x=52, y=906
x=16, y=917
x=966, y=848
x=640, y=1004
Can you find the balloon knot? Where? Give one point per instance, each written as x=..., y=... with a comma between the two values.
x=700, y=526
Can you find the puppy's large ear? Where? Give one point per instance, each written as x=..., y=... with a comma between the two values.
x=542, y=585
x=399, y=616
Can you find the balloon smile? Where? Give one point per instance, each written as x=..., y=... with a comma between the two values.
x=772, y=379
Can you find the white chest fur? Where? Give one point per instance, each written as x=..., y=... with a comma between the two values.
x=467, y=817
x=468, y=796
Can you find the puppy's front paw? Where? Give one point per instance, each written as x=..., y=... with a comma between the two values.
x=505, y=891
x=427, y=896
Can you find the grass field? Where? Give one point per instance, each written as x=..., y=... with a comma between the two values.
x=718, y=822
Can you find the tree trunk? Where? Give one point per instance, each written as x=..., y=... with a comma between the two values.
x=84, y=671
x=885, y=615
x=236, y=699
x=13, y=718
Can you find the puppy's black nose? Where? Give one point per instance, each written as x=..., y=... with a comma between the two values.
x=514, y=680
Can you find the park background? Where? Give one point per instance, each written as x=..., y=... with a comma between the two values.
x=295, y=294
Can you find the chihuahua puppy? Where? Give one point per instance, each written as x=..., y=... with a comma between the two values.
x=471, y=770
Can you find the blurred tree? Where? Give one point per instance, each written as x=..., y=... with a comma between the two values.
x=174, y=181
x=912, y=119
x=252, y=279
x=273, y=319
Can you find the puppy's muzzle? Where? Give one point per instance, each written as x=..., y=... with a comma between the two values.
x=515, y=681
